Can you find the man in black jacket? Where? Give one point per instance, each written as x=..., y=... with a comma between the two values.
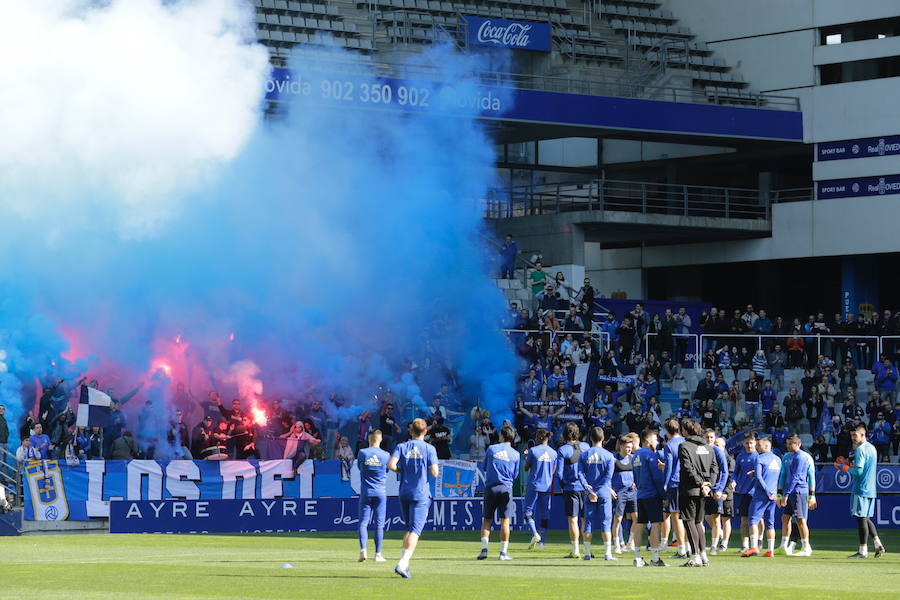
x=706, y=388
x=698, y=471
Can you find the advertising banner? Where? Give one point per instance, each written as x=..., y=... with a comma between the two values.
x=335, y=514
x=502, y=33
x=861, y=148
x=859, y=186
x=56, y=491
x=507, y=103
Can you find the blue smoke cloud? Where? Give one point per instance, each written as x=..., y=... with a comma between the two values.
x=339, y=251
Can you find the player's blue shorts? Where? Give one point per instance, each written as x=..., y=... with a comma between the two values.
x=650, y=510
x=498, y=501
x=742, y=504
x=574, y=503
x=672, y=500
x=762, y=510
x=372, y=509
x=598, y=515
x=537, y=504
x=862, y=506
x=414, y=513
x=625, y=503
x=797, y=505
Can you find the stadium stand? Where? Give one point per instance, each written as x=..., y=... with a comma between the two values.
x=629, y=42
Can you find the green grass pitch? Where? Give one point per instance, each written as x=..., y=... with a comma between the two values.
x=230, y=566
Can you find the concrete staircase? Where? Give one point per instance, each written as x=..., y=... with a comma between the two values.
x=516, y=291
x=669, y=399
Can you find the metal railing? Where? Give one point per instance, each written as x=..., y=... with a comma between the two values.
x=630, y=196
x=850, y=340
x=599, y=85
x=601, y=336
x=11, y=476
x=793, y=195
x=688, y=356
x=871, y=345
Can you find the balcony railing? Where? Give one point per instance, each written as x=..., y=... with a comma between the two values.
x=629, y=196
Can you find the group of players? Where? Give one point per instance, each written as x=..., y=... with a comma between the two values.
x=675, y=488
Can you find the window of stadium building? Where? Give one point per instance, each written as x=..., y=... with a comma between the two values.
x=860, y=70
x=863, y=30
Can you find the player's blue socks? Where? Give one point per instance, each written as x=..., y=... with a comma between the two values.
x=364, y=537
x=532, y=525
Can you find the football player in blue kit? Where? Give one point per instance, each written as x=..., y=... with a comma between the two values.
x=501, y=467
x=540, y=463
x=413, y=460
x=372, y=463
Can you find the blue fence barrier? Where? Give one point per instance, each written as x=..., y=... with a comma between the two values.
x=829, y=479
x=337, y=514
x=55, y=490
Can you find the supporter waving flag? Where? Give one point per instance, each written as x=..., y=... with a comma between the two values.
x=93, y=408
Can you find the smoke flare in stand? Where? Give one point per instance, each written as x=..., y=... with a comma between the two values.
x=165, y=232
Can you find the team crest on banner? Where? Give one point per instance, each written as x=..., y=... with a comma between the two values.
x=456, y=479
x=47, y=492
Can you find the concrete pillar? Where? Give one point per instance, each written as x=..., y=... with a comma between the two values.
x=765, y=187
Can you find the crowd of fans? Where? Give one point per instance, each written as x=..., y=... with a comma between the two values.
x=738, y=389
x=312, y=428
x=744, y=384
x=804, y=377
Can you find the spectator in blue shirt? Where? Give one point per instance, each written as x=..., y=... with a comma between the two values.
x=779, y=439
x=686, y=411
x=880, y=434
x=721, y=386
x=557, y=377
x=767, y=397
x=886, y=380
x=40, y=441
x=509, y=251
x=777, y=361
x=763, y=325
x=609, y=327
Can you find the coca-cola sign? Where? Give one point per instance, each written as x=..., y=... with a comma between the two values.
x=501, y=33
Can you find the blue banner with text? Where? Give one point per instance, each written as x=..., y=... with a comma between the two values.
x=58, y=491
x=509, y=103
x=335, y=514
x=859, y=186
x=862, y=148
